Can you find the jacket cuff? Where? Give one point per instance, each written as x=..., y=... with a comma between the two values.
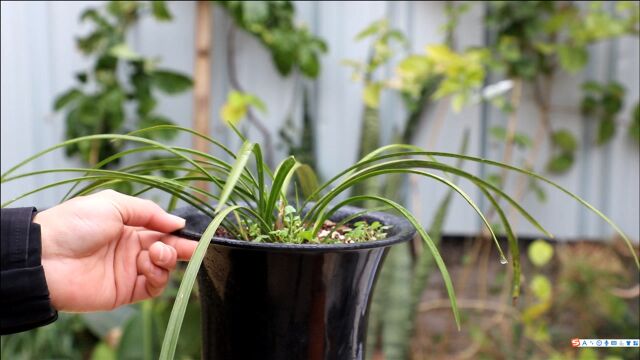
x=24, y=295
x=25, y=300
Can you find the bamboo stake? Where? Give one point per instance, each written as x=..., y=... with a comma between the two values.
x=202, y=78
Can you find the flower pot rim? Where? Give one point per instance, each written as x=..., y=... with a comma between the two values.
x=401, y=231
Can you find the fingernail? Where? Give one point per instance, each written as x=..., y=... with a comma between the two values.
x=162, y=256
x=178, y=219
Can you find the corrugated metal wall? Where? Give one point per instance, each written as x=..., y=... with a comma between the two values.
x=39, y=59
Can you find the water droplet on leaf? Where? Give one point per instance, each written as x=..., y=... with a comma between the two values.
x=503, y=261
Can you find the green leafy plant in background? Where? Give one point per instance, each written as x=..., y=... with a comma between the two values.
x=536, y=40
x=106, y=42
x=461, y=74
x=570, y=291
x=69, y=339
x=540, y=253
x=420, y=80
x=564, y=148
x=395, y=305
x=413, y=101
x=603, y=103
x=256, y=194
x=273, y=24
x=301, y=140
x=99, y=101
x=118, y=92
x=384, y=43
x=294, y=49
x=129, y=332
x=531, y=44
x=594, y=292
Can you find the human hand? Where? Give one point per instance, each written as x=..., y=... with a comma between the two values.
x=105, y=250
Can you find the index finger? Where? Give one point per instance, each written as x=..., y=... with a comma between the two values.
x=145, y=213
x=184, y=247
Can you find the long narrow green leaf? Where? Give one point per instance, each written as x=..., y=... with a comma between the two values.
x=184, y=189
x=281, y=177
x=103, y=137
x=182, y=299
x=513, y=244
x=160, y=183
x=184, y=129
x=213, y=161
x=369, y=159
x=307, y=178
x=394, y=165
x=468, y=199
x=128, y=170
x=238, y=167
x=557, y=186
x=261, y=168
x=423, y=234
x=147, y=329
x=516, y=169
x=287, y=180
x=424, y=263
x=242, y=188
x=450, y=184
x=369, y=173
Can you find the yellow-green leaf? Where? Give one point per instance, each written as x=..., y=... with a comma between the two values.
x=232, y=114
x=541, y=287
x=441, y=54
x=371, y=94
x=123, y=51
x=540, y=252
x=237, y=105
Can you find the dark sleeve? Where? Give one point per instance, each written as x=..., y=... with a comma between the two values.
x=24, y=296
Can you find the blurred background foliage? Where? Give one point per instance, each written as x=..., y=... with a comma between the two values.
x=569, y=290
x=118, y=80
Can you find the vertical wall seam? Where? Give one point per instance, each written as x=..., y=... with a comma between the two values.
x=313, y=95
x=35, y=92
x=584, y=168
x=605, y=175
x=45, y=90
x=484, y=122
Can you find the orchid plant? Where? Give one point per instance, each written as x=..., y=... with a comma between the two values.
x=256, y=196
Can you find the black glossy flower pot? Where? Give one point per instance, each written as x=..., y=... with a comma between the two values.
x=284, y=301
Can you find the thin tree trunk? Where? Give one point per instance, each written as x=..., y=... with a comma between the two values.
x=202, y=79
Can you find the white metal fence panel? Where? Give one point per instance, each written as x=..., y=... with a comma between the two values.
x=39, y=59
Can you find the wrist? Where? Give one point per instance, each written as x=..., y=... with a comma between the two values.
x=44, y=234
x=45, y=237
